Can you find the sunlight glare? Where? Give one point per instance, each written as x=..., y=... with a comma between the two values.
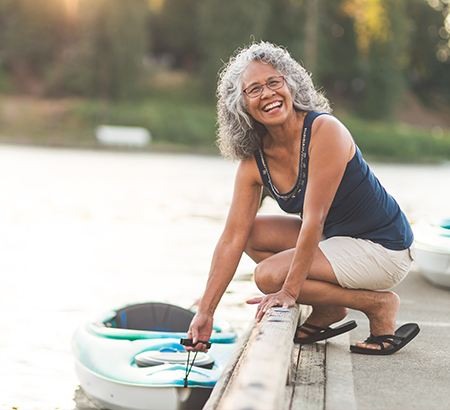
x=71, y=8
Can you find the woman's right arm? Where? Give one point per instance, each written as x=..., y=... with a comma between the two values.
x=229, y=249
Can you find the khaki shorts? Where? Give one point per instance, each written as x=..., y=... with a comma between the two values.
x=363, y=264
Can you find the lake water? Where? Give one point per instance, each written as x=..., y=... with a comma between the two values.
x=86, y=231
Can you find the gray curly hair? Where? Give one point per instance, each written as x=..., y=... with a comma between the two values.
x=239, y=135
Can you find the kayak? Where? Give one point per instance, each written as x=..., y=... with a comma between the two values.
x=432, y=240
x=132, y=358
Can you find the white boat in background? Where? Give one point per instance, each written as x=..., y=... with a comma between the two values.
x=432, y=239
x=132, y=359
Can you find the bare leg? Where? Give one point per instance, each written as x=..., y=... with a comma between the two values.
x=381, y=308
x=271, y=244
x=272, y=234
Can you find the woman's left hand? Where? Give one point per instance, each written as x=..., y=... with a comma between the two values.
x=281, y=298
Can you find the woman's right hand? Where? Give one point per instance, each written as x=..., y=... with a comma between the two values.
x=200, y=329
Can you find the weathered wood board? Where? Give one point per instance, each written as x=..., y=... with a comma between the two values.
x=260, y=372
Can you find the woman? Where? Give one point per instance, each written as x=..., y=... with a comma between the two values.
x=274, y=121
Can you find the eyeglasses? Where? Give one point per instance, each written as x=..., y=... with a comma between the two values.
x=255, y=90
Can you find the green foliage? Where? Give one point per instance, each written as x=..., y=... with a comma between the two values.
x=29, y=35
x=96, y=49
x=290, y=33
x=5, y=82
x=175, y=29
x=224, y=27
x=338, y=59
x=176, y=120
x=105, y=51
x=384, y=70
x=394, y=142
x=29, y=30
x=427, y=76
x=168, y=121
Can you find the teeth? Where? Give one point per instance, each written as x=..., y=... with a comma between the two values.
x=273, y=105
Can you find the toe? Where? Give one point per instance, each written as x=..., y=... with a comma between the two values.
x=368, y=345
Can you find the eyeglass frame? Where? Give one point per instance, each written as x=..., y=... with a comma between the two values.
x=267, y=85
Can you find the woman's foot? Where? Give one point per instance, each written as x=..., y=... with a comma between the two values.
x=322, y=317
x=382, y=313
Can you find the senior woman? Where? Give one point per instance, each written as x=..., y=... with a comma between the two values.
x=351, y=242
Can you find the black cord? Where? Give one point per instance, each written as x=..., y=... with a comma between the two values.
x=188, y=369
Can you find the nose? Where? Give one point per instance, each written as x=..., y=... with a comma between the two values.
x=266, y=90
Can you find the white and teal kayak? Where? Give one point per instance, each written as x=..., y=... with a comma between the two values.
x=132, y=359
x=432, y=240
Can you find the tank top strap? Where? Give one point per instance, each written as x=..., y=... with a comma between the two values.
x=307, y=123
x=290, y=201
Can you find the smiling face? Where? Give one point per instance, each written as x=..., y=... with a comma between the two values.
x=271, y=107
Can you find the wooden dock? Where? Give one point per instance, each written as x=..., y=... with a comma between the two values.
x=267, y=371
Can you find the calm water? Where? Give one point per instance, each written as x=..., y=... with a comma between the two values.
x=85, y=231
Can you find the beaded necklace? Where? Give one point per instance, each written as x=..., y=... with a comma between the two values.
x=301, y=176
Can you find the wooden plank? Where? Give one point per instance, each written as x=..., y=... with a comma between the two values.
x=227, y=374
x=260, y=375
x=309, y=389
x=307, y=384
x=289, y=391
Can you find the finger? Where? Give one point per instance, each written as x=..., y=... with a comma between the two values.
x=189, y=348
x=199, y=347
x=255, y=300
x=260, y=315
x=194, y=332
x=271, y=303
x=259, y=312
x=265, y=306
x=288, y=303
x=189, y=334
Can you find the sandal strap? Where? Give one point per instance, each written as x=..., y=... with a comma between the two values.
x=379, y=340
x=313, y=327
x=305, y=331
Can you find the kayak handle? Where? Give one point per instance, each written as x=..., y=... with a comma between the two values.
x=188, y=342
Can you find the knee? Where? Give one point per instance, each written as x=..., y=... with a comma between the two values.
x=269, y=278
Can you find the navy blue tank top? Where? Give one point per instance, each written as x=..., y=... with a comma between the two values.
x=361, y=207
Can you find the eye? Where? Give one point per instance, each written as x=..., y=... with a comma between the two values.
x=274, y=83
x=253, y=89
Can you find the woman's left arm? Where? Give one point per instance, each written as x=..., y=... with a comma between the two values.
x=331, y=148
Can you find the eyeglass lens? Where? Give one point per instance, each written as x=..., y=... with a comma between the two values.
x=273, y=84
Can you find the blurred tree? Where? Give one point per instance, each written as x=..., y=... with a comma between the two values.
x=176, y=27
x=30, y=32
x=366, y=51
x=104, y=56
x=382, y=37
x=338, y=57
x=370, y=20
x=286, y=26
x=311, y=34
x=225, y=26
x=429, y=67
x=57, y=47
x=200, y=34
